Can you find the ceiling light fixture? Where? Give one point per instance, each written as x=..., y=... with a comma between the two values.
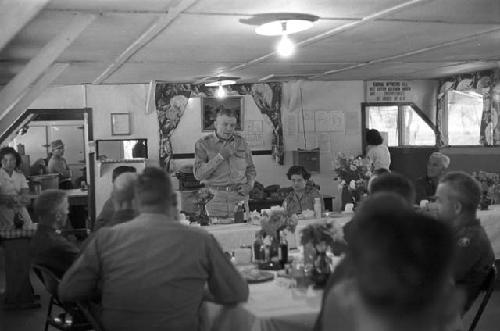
x=281, y=24
x=220, y=82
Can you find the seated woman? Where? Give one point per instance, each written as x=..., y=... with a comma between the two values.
x=303, y=194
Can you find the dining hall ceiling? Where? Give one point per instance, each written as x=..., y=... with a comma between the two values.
x=136, y=41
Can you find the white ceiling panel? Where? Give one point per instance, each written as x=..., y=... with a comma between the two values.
x=457, y=11
x=323, y=8
x=172, y=72
x=383, y=39
x=214, y=39
x=111, y=5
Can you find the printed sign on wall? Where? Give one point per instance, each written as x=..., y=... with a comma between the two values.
x=389, y=91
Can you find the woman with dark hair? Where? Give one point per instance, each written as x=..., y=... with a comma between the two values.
x=13, y=190
x=376, y=151
x=303, y=194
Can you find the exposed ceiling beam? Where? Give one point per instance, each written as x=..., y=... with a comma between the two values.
x=47, y=55
x=161, y=23
x=332, y=32
x=30, y=95
x=414, y=52
x=14, y=15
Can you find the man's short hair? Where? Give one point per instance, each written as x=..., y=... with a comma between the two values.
x=154, y=188
x=395, y=259
x=396, y=183
x=47, y=203
x=298, y=170
x=444, y=159
x=124, y=186
x=226, y=111
x=121, y=170
x=467, y=190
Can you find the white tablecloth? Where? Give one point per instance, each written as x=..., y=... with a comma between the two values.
x=232, y=236
x=269, y=308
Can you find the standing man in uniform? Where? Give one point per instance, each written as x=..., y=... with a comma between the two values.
x=457, y=198
x=57, y=164
x=223, y=162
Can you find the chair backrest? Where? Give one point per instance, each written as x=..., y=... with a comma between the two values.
x=48, y=278
x=487, y=287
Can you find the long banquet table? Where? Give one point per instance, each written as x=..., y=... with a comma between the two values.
x=269, y=308
x=233, y=236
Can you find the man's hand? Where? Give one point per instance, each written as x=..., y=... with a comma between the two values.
x=227, y=151
x=244, y=189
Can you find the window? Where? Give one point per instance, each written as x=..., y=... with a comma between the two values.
x=463, y=117
x=400, y=125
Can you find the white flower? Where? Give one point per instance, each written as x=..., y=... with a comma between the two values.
x=368, y=173
x=342, y=182
x=352, y=167
x=352, y=184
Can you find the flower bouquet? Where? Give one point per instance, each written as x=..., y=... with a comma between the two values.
x=203, y=196
x=276, y=219
x=354, y=174
x=490, y=188
x=316, y=239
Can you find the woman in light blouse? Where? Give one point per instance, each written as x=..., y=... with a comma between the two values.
x=304, y=193
x=13, y=190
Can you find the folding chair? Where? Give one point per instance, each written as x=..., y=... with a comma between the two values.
x=487, y=287
x=85, y=319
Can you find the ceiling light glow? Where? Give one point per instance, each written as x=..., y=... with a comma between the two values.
x=221, y=92
x=285, y=47
x=275, y=28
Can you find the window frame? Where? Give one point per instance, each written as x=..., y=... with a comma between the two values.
x=444, y=127
x=400, y=105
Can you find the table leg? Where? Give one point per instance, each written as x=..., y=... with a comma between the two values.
x=18, y=289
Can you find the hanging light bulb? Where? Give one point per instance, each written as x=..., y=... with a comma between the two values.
x=285, y=46
x=221, y=92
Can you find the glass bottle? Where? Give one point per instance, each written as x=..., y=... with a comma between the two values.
x=283, y=249
x=258, y=248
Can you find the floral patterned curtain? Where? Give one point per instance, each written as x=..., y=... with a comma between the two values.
x=486, y=83
x=171, y=101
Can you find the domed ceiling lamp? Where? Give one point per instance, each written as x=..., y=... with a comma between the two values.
x=281, y=24
x=220, y=82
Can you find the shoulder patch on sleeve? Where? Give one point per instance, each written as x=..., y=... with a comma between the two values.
x=464, y=242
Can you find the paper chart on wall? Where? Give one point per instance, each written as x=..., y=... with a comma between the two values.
x=352, y=124
x=254, y=139
x=324, y=143
x=308, y=120
x=253, y=126
x=291, y=125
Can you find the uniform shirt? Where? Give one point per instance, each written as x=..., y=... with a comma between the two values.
x=211, y=168
x=12, y=185
x=425, y=188
x=296, y=205
x=59, y=165
x=153, y=272
x=52, y=250
x=474, y=258
x=379, y=156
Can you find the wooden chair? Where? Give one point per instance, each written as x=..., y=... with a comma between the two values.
x=487, y=288
x=87, y=321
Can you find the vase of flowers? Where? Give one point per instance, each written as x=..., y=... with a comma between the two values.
x=203, y=196
x=490, y=188
x=320, y=237
x=273, y=221
x=354, y=174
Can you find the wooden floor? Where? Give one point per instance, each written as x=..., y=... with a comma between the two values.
x=33, y=320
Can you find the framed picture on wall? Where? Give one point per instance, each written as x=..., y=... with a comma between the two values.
x=120, y=124
x=210, y=106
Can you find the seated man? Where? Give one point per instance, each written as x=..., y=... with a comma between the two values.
x=49, y=248
x=436, y=167
x=396, y=282
x=108, y=209
x=153, y=270
x=457, y=199
x=395, y=183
